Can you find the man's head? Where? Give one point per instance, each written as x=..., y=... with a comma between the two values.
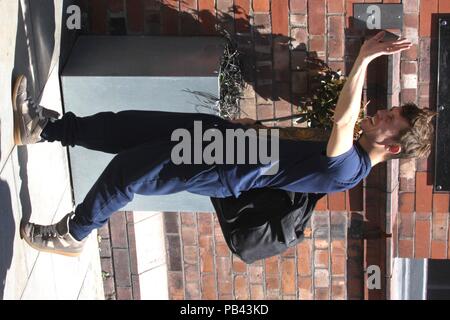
x=405, y=132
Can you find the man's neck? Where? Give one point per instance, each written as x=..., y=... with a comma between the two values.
x=376, y=153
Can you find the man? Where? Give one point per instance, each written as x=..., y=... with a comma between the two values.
x=143, y=146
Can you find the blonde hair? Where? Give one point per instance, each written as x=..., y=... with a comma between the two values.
x=416, y=141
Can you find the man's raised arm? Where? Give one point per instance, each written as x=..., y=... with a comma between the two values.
x=349, y=102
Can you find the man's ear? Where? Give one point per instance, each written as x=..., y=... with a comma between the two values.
x=394, y=148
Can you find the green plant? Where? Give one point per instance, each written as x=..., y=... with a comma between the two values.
x=317, y=108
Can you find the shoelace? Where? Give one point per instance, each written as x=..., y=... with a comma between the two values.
x=48, y=231
x=37, y=108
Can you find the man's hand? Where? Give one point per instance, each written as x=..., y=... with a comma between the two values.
x=376, y=47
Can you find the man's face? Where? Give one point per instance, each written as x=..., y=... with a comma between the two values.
x=384, y=126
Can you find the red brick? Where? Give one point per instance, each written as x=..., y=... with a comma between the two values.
x=241, y=16
x=424, y=201
x=271, y=265
x=225, y=7
x=192, y=291
x=118, y=230
x=289, y=275
x=207, y=16
x=124, y=293
x=338, y=247
x=305, y=288
x=169, y=17
x=189, y=236
x=411, y=6
x=222, y=250
x=122, y=270
x=336, y=37
x=321, y=294
x=349, y=10
x=438, y=249
x=405, y=248
x=265, y=111
x=407, y=185
x=175, y=284
x=206, y=261
x=321, y=258
x=190, y=254
x=338, y=289
x=280, y=18
x=444, y=6
x=424, y=68
x=406, y=225
x=410, y=54
x=191, y=272
x=321, y=243
x=299, y=38
x=338, y=263
x=272, y=281
x=261, y=5
x=321, y=278
x=337, y=201
x=298, y=6
x=241, y=287
x=427, y=8
x=238, y=265
x=132, y=248
x=354, y=198
x=135, y=16
x=322, y=204
x=336, y=6
x=209, y=290
x=256, y=273
x=225, y=288
x=205, y=222
x=422, y=165
x=316, y=17
x=289, y=252
x=223, y=269
x=187, y=218
x=298, y=20
x=406, y=202
x=317, y=45
x=304, y=258
x=256, y=292
x=281, y=60
x=440, y=226
x=441, y=202
x=408, y=67
x=283, y=108
x=422, y=239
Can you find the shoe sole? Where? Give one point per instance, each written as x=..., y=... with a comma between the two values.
x=67, y=254
x=17, y=139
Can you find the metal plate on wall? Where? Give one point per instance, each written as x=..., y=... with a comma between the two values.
x=377, y=16
x=442, y=150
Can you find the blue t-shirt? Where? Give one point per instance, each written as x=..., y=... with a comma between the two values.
x=303, y=167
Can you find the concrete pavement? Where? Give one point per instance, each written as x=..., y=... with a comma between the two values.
x=35, y=180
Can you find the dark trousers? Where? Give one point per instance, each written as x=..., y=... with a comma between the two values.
x=141, y=140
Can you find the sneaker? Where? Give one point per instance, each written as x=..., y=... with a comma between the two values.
x=29, y=118
x=54, y=238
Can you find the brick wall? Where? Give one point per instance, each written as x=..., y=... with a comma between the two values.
x=118, y=258
x=202, y=267
x=421, y=224
x=349, y=230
